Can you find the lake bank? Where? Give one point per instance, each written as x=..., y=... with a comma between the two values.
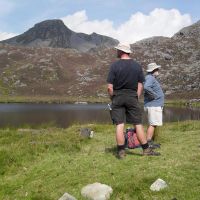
x=69, y=99
x=51, y=99
x=46, y=162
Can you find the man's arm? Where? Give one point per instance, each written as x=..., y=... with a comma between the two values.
x=110, y=89
x=139, y=89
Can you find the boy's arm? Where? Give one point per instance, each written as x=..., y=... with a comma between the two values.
x=148, y=89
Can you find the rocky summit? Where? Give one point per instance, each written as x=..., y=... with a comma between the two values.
x=54, y=33
x=32, y=68
x=179, y=57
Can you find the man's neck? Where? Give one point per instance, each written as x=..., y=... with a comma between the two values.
x=125, y=56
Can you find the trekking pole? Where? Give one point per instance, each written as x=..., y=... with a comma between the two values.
x=110, y=109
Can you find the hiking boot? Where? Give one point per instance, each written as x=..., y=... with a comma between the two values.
x=121, y=154
x=150, y=152
x=153, y=145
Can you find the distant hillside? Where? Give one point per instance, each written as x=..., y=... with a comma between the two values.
x=51, y=71
x=179, y=57
x=53, y=33
x=38, y=71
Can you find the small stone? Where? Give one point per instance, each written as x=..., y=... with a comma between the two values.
x=97, y=191
x=81, y=102
x=91, y=134
x=67, y=196
x=158, y=185
x=24, y=168
x=87, y=132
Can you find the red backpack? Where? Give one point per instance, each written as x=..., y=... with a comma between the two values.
x=131, y=140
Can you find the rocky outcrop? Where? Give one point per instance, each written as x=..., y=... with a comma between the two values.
x=53, y=33
x=179, y=57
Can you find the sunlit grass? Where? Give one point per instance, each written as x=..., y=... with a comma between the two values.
x=44, y=163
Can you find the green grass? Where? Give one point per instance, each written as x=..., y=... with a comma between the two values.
x=181, y=103
x=44, y=163
x=51, y=99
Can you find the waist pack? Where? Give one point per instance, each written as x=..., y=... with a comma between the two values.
x=131, y=140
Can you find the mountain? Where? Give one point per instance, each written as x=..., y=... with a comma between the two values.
x=179, y=57
x=35, y=71
x=53, y=33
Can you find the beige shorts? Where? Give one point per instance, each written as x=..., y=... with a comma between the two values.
x=155, y=116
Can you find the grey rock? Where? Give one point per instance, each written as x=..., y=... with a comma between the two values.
x=67, y=196
x=81, y=102
x=96, y=191
x=158, y=185
x=86, y=132
x=3, y=51
x=189, y=31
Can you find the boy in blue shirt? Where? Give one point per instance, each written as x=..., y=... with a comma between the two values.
x=153, y=100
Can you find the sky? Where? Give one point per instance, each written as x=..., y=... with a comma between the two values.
x=126, y=20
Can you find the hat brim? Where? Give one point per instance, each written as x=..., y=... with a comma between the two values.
x=156, y=67
x=121, y=49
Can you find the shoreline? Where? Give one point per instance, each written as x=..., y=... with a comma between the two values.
x=84, y=100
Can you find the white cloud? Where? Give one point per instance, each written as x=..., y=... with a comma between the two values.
x=4, y=35
x=159, y=22
x=79, y=22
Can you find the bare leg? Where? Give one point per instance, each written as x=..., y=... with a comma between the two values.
x=140, y=134
x=143, y=140
x=150, y=132
x=120, y=134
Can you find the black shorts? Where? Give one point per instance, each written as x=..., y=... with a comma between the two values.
x=126, y=108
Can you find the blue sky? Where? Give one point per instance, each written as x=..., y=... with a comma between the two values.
x=119, y=17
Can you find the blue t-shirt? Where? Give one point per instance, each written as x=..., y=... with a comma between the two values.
x=153, y=93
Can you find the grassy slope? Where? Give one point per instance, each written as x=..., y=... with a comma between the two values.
x=45, y=163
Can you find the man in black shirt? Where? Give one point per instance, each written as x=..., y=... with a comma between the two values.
x=125, y=85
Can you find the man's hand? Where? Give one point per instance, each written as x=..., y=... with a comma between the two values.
x=139, y=89
x=110, y=90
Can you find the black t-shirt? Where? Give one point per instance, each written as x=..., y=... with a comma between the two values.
x=125, y=74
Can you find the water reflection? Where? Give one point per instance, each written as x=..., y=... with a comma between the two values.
x=66, y=114
x=181, y=114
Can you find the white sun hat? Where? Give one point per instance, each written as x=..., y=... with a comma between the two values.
x=152, y=66
x=124, y=47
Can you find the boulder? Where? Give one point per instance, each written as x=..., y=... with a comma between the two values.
x=96, y=191
x=67, y=196
x=158, y=185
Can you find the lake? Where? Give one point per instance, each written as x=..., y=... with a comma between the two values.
x=64, y=115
